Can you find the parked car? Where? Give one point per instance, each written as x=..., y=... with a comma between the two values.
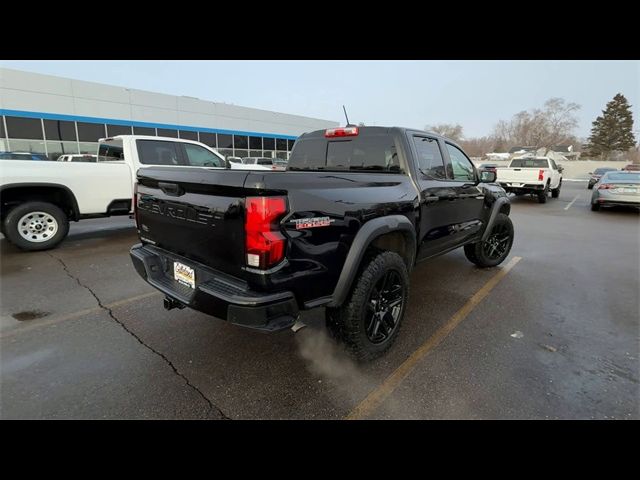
x=531, y=175
x=279, y=164
x=616, y=188
x=342, y=228
x=86, y=158
x=596, y=174
x=38, y=203
x=632, y=167
x=22, y=156
x=236, y=160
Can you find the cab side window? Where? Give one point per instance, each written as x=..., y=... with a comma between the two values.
x=429, y=158
x=461, y=167
x=198, y=156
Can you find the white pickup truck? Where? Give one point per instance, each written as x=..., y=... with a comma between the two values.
x=38, y=199
x=533, y=175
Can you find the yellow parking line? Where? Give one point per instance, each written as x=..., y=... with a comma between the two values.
x=78, y=314
x=377, y=396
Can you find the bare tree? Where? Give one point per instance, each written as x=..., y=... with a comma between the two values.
x=454, y=132
x=540, y=128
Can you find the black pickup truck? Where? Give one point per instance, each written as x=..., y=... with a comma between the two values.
x=342, y=228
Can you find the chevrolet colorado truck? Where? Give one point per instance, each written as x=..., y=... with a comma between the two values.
x=533, y=175
x=342, y=228
x=37, y=202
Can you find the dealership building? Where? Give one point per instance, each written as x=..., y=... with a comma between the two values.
x=54, y=115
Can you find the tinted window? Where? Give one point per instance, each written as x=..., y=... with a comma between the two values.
x=113, y=130
x=18, y=127
x=376, y=152
x=201, y=157
x=429, y=158
x=553, y=164
x=208, y=139
x=90, y=132
x=166, y=132
x=529, y=163
x=269, y=143
x=461, y=167
x=189, y=135
x=281, y=143
x=240, y=141
x=157, y=152
x=255, y=143
x=225, y=141
x=60, y=130
x=144, y=131
x=111, y=151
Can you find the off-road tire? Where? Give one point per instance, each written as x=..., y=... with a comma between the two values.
x=12, y=232
x=475, y=252
x=346, y=323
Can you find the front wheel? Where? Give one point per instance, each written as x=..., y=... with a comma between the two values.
x=555, y=193
x=595, y=207
x=36, y=226
x=369, y=321
x=496, y=247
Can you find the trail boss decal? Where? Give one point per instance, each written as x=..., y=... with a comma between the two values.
x=313, y=222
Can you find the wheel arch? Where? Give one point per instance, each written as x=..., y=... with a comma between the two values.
x=59, y=195
x=394, y=233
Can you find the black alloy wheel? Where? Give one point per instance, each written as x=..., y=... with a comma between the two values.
x=383, y=307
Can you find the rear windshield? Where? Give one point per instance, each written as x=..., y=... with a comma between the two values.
x=621, y=177
x=371, y=152
x=529, y=163
x=110, y=151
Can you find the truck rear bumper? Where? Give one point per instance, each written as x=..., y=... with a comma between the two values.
x=215, y=293
x=508, y=186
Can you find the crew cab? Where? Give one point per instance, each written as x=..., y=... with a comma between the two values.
x=531, y=175
x=37, y=204
x=342, y=228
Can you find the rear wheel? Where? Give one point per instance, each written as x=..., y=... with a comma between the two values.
x=369, y=321
x=496, y=247
x=595, y=207
x=590, y=186
x=542, y=196
x=36, y=226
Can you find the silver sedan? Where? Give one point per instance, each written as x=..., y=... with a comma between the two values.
x=616, y=188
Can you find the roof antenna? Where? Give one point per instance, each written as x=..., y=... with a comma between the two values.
x=345, y=115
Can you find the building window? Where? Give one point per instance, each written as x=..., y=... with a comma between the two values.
x=269, y=143
x=55, y=149
x=18, y=127
x=60, y=130
x=90, y=132
x=241, y=153
x=267, y=153
x=144, y=131
x=113, y=130
x=281, y=144
x=88, y=147
x=281, y=155
x=225, y=141
x=255, y=153
x=187, y=135
x=2, y=134
x=208, y=139
x=255, y=143
x=165, y=132
x=225, y=153
x=240, y=141
x=290, y=144
x=32, y=146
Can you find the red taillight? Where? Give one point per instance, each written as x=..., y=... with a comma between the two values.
x=605, y=186
x=263, y=241
x=341, y=132
x=541, y=175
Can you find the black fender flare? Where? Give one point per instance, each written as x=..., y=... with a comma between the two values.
x=367, y=234
x=495, y=209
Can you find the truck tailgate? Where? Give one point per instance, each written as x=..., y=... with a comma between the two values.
x=194, y=213
x=518, y=175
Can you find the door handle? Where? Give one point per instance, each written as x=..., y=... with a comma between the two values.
x=171, y=189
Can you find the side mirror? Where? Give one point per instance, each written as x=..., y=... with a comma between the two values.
x=560, y=168
x=487, y=176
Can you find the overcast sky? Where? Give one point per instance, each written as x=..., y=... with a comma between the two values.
x=475, y=94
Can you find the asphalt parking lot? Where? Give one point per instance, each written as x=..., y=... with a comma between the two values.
x=82, y=336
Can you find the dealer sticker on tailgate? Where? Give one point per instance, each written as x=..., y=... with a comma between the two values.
x=184, y=275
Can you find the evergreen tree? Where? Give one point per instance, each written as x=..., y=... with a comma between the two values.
x=613, y=130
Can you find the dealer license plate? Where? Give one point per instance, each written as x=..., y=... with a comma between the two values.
x=184, y=274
